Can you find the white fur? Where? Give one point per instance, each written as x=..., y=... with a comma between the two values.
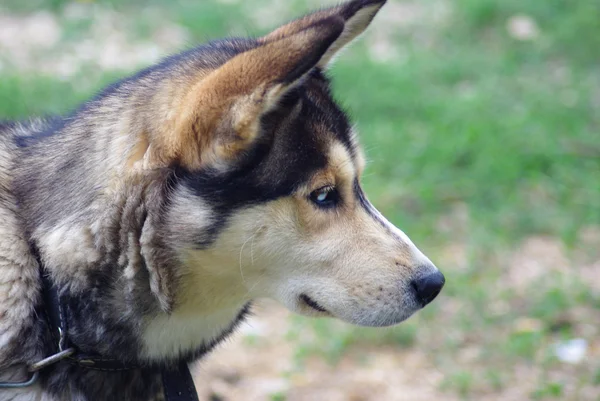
x=417, y=254
x=170, y=335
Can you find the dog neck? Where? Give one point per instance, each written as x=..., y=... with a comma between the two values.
x=125, y=290
x=212, y=299
x=111, y=320
x=184, y=335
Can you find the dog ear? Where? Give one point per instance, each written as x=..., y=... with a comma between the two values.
x=356, y=14
x=219, y=116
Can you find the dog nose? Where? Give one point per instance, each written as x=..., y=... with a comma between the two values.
x=428, y=287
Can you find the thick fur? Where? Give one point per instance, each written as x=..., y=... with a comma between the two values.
x=167, y=203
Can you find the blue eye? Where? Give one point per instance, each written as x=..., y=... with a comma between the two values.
x=325, y=197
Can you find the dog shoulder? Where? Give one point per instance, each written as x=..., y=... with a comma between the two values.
x=19, y=276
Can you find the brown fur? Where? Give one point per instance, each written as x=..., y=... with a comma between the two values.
x=202, y=111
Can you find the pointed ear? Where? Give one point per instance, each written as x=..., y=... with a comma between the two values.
x=219, y=116
x=356, y=14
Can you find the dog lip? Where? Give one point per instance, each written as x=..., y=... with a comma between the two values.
x=313, y=304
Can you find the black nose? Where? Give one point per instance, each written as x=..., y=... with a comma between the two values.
x=428, y=287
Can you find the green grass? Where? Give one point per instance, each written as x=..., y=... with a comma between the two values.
x=469, y=119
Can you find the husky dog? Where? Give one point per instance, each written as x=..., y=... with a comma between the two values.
x=161, y=208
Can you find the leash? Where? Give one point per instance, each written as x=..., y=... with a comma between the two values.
x=178, y=384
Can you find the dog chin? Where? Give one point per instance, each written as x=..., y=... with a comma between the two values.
x=376, y=320
x=310, y=307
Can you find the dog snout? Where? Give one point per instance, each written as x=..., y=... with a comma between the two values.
x=428, y=287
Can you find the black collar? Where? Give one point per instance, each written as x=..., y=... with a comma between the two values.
x=177, y=382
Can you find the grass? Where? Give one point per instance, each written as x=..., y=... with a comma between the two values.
x=474, y=138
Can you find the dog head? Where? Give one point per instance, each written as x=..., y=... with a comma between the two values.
x=268, y=201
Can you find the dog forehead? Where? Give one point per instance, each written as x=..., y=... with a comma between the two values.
x=321, y=130
x=338, y=139
x=326, y=116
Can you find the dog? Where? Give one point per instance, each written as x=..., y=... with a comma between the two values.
x=139, y=228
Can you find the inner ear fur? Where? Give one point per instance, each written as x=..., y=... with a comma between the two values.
x=219, y=116
x=356, y=14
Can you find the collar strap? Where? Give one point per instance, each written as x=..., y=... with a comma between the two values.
x=178, y=384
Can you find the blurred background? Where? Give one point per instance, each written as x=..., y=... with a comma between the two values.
x=481, y=122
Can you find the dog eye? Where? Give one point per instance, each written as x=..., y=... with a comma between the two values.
x=325, y=197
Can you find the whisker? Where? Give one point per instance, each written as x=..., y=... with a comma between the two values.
x=251, y=252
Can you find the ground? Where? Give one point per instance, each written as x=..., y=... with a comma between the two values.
x=479, y=120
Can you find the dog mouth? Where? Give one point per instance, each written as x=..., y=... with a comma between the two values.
x=312, y=303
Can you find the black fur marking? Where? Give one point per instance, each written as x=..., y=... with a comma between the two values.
x=336, y=118
x=138, y=384
x=313, y=304
x=111, y=335
x=353, y=7
x=288, y=154
x=67, y=381
x=360, y=195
